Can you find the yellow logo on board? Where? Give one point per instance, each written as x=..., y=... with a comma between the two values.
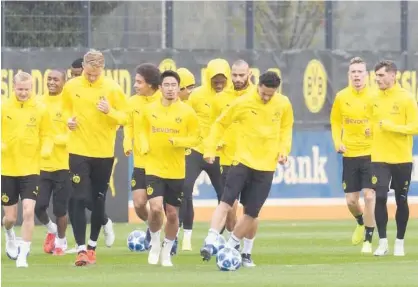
x=315, y=86
x=167, y=64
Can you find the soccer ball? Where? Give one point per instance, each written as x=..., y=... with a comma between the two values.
x=228, y=259
x=219, y=244
x=136, y=241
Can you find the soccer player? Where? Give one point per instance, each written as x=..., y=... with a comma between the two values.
x=394, y=114
x=147, y=80
x=97, y=105
x=54, y=178
x=168, y=126
x=76, y=68
x=217, y=78
x=25, y=139
x=264, y=139
x=187, y=83
x=349, y=123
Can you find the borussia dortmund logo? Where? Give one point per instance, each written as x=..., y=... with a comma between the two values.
x=5, y=198
x=133, y=183
x=344, y=185
x=150, y=190
x=374, y=179
x=222, y=169
x=188, y=151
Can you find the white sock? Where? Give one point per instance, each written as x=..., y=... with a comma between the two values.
x=24, y=248
x=155, y=237
x=10, y=233
x=383, y=241
x=212, y=236
x=227, y=233
x=399, y=241
x=248, y=246
x=108, y=223
x=61, y=242
x=187, y=234
x=52, y=227
x=92, y=243
x=81, y=248
x=233, y=241
x=168, y=244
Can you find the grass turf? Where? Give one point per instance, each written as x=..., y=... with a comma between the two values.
x=315, y=253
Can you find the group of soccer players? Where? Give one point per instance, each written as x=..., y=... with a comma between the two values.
x=373, y=130
x=62, y=145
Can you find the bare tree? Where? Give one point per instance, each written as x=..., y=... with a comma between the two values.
x=287, y=24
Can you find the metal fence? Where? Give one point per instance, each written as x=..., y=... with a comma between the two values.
x=228, y=25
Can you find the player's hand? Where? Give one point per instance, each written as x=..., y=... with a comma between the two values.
x=128, y=152
x=341, y=149
x=210, y=160
x=368, y=132
x=72, y=123
x=103, y=106
x=282, y=159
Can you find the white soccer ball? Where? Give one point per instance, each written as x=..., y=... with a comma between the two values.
x=228, y=259
x=219, y=244
x=136, y=241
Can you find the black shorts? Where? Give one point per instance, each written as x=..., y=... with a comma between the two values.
x=27, y=187
x=170, y=189
x=396, y=176
x=224, y=174
x=138, y=179
x=224, y=171
x=58, y=185
x=253, y=186
x=356, y=173
x=90, y=176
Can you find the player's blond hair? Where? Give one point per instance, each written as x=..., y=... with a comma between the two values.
x=357, y=60
x=94, y=59
x=22, y=77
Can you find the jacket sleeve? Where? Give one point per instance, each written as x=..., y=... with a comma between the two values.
x=286, y=130
x=45, y=134
x=218, y=128
x=67, y=105
x=143, y=131
x=336, y=123
x=192, y=138
x=118, y=107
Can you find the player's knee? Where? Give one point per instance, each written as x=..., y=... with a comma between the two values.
x=40, y=209
x=156, y=208
x=171, y=215
x=28, y=213
x=381, y=195
x=9, y=218
x=252, y=211
x=59, y=209
x=140, y=199
x=369, y=196
x=401, y=200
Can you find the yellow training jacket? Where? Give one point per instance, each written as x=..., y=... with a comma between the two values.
x=136, y=105
x=25, y=136
x=261, y=127
x=394, y=115
x=96, y=132
x=60, y=133
x=202, y=98
x=159, y=124
x=221, y=102
x=349, y=121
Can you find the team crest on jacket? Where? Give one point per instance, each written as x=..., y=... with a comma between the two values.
x=178, y=120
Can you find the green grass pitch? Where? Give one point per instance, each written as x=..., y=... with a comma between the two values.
x=315, y=253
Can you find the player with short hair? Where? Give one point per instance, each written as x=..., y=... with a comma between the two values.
x=217, y=78
x=264, y=139
x=394, y=114
x=25, y=139
x=350, y=126
x=147, y=81
x=167, y=127
x=108, y=232
x=187, y=83
x=97, y=105
x=54, y=178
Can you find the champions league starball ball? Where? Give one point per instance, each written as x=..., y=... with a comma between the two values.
x=228, y=259
x=136, y=241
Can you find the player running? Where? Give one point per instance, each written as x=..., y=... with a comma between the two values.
x=217, y=78
x=394, y=115
x=55, y=178
x=349, y=123
x=167, y=127
x=265, y=139
x=25, y=138
x=97, y=105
